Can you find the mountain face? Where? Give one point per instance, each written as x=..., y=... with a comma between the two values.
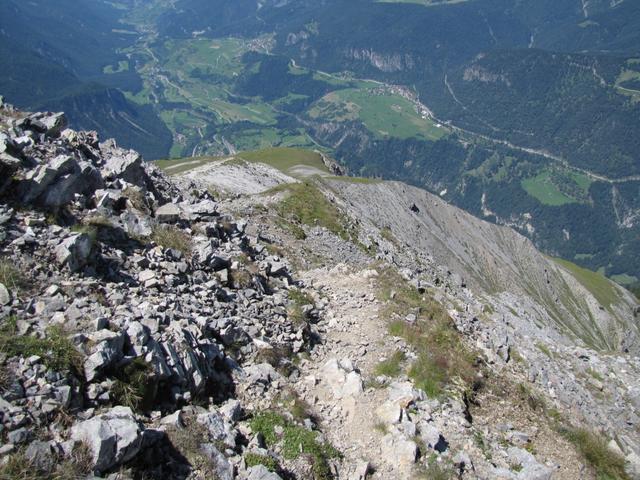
x=524, y=113
x=256, y=316
x=55, y=55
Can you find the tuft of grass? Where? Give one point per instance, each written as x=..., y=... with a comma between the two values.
x=188, y=441
x=10, y=276
x=388, y=235
x=252, y=459
x=134, y=386
x=607, y=464
x=297, y=300
x=55, y=349
x=137, y=199
x=78, y=465
x=392, y=366
x=544, y=349
x=443, y=359
x=534, y=400
x=170, y=236
x=595, y=374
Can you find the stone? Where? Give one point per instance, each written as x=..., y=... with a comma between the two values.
x=360, y=470
x=5, y=296
x=40, y=455
x=399, y=450
x=19, y=436
x=222, y=468
x=168, y=213
x=126, y=166
x=217, y=427
x=107, y=351
x=260, y=472
x=531, y=469
x=389, y=412
x=341, y=383
x=114, y=437
x=74, y=251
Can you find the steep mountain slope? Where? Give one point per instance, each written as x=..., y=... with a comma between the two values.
x=551, y=318
x=55, y=55
x=170, y=328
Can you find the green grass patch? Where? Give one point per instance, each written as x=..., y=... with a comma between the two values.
x=607, y=464
x=305, y=204
x=392, y=366
x=442, y=359
x=348, y=179
x=286, y=159
x=542, y=189
x=55, y=349
x=252, y=459
x=600, y=287
x=385, y=114
x=296, y=441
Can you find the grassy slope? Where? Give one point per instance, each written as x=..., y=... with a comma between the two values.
x=287, y=160
x=601, y=288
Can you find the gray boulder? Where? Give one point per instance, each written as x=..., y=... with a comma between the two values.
x=260, y=472
x=125, y=165
x=108, y=350
x=5, y=296
x=74, y=251
x=168, y=213
x=114, y=437
x=222, y=468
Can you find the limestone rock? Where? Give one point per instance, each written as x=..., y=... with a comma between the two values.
x=113, y=437
x=74, y=251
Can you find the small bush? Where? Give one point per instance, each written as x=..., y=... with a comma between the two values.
x=607, y=464
x=56, y=350
x=169, y=236
x=392, y=366
x=253, y=459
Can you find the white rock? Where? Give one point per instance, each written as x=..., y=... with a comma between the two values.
x=113, y=437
